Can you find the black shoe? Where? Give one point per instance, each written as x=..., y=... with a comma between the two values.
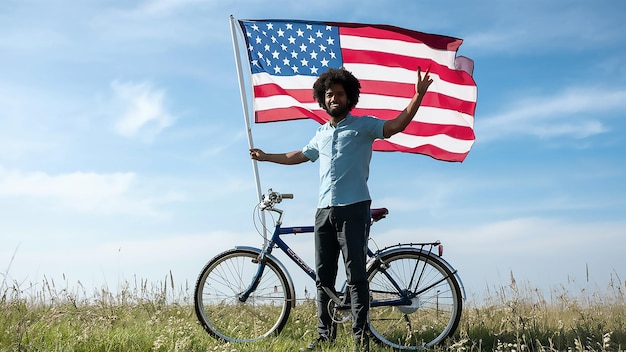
x=316, y=344
x=362, y=343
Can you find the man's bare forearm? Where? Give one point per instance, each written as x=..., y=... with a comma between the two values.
x=290, y=158
x=398, y=124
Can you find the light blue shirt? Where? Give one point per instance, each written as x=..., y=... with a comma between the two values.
x=345, y=152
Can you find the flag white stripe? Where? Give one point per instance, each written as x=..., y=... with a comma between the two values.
x=443, y=141
x=281, y=101
x=374, y=73
x=398, y=47
x=286, y=82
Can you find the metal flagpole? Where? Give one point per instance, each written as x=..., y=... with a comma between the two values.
x=246, y=112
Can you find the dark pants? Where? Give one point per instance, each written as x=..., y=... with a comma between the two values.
x=342, y=229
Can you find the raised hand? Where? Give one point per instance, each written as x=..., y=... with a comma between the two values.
x=422, y=84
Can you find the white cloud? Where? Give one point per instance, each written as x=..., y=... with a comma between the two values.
x=85, y=192
x=143, y=110
x=536, y=235
x=574, y=113
x=106, y=260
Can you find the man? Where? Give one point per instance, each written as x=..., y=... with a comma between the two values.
x=342, y=220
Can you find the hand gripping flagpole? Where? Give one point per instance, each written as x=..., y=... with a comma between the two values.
x=246, y=116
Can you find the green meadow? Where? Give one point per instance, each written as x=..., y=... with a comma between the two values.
x=146, y=316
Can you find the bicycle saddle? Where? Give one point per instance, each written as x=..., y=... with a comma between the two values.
x=379, y=213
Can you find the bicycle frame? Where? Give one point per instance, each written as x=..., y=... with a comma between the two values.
x=277, y=241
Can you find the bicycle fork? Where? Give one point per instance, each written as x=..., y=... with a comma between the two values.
x=256, y=279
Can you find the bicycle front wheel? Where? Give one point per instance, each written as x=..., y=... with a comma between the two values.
x=434, y=310
x=218, y=291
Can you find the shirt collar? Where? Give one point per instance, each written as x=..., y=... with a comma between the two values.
x=346, y=120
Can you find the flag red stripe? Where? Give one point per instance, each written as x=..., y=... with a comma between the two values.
x=395, y=89
x=450, y=103
x=406, y=62
x=289, y=113
x=396, y=33
x=268, y=90
x=429, y=129
x=428, y=149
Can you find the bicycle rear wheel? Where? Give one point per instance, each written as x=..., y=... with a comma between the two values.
x=435, y=299
x=217, y=297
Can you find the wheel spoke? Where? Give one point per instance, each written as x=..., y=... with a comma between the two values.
x=224, y=315
x=435, y=300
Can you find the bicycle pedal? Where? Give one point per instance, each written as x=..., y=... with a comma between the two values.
x=340, y=316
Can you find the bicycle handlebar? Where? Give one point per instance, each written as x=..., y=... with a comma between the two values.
x=271, y=198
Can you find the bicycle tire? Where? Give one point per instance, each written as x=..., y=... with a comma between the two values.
x=217, y=293
x=433, y=314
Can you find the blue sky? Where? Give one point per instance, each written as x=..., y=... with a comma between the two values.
x=123, y=152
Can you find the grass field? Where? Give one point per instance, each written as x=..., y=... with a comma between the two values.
x=143, y=316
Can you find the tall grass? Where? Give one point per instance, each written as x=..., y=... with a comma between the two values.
x=522, y=318
x=143, y=316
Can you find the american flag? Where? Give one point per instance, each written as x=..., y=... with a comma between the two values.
x=286, y=56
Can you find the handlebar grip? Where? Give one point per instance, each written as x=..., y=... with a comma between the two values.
x=287, y=195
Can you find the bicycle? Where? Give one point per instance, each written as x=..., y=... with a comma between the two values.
x=245, y=294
